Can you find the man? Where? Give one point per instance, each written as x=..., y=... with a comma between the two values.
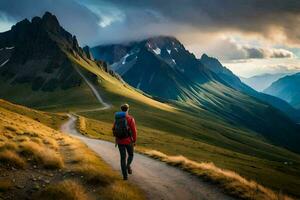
x=125, y=133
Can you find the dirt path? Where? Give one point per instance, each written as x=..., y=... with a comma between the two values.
x=159, y=180
x=95, y=92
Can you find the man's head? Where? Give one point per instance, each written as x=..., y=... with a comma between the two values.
x=125, y=107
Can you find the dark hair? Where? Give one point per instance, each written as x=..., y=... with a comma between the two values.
x=124, y=107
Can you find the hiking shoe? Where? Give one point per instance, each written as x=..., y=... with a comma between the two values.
x=125, y=178
x=129, y=170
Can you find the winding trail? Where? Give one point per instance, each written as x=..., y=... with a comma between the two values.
x=95, y=92
x=158, y=180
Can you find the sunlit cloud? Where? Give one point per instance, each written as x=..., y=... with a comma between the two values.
x=5, y=22
x=251, y=67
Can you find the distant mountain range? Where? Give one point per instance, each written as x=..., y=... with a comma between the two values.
x=163, y=68
x=287, y=88
x=40, y=63
x=261, y=82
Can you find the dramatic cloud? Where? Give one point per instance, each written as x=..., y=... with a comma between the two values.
x=252, y=52
x=227, y=49
x=114, y=20
x=274, y=19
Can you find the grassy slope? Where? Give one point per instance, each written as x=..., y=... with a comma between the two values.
x=59, y=99
x=47, y=164
x=199, y=136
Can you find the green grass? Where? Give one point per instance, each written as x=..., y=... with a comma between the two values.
x=62, y=100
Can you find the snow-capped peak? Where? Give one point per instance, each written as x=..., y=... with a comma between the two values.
x=124, y=58
x=157, y=51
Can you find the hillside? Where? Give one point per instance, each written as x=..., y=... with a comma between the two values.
x=234, y=82
x=229, y=128
x=287, y=88
x=263, y=81
x=38, y=162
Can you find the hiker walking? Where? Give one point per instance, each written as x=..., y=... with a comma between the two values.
x=125, y=133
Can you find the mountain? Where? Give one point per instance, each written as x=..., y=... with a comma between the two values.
x=287, y=88
x=40, y=44
x=263, y=81
x=234, y=82
x=163, y=68
x=164, y=60
x=39, y=55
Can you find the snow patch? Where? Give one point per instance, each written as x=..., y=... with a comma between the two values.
x=169, y=51
x=157, y=51
x=174, y=61
x=176, y=49
x=124, y=58
x=9, y=47
x=4, y=63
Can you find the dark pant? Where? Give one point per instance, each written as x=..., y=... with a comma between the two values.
x=123, y=148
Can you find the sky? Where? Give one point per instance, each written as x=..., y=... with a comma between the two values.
x=250, y=37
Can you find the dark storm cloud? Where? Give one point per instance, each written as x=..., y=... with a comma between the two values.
x=254, y=16
x=130, y=19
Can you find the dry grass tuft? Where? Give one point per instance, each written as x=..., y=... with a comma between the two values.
x=10, y=128
x=88, y=164
x=36, y=140
x=51, y=159
x=21, y=138
x=124, y=191
x=66, y=190
x=8, y=135
x=40, y=154
x=8, y=146
x=51, y=143
x=93, y=174
x=31, y=134
x=82, y=124
x=231, y=182
x=11, y=159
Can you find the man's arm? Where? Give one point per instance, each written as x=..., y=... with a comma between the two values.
x=133, y=129
x=113, y=128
